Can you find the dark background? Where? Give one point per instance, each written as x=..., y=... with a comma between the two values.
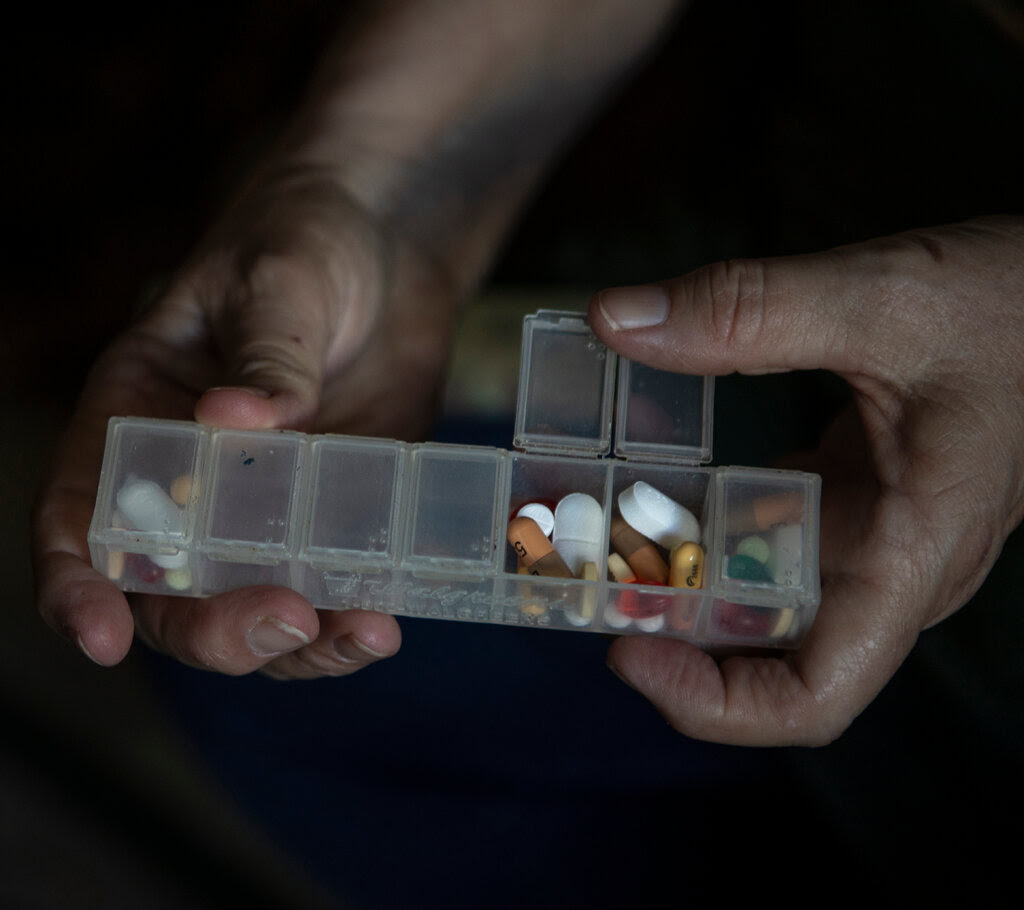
x=758, y=128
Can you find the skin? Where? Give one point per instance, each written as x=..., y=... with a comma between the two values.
x=923, y=478
x=324, y=298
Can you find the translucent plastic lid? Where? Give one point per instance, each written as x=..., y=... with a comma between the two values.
x=566, y=377
x=566, y=402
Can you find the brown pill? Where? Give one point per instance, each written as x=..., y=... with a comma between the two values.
x=687, y=566
x=537, y=553
x=641, y=554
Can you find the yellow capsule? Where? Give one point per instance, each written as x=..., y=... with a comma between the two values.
x=181, y=489
x=686, y=566
x=588, y=605
x=115, y=564
x=784, y=622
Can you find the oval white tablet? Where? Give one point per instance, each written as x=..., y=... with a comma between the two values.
x=649, y=511
x=579, y=528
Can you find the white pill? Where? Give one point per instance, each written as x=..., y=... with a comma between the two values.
x=651, y=623
x=170, y=561
x=657, y=517
x=541, y=514
x=178, y=579
x=579, y=528
x=615, y=619
x=148, y=508
x=786, y=564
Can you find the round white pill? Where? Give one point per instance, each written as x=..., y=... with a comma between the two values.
x=541, y=514
x=178, y=579
x=614, y=619
x=579, y=529
x=786, y=564
x=651, y=623
x=657, y=517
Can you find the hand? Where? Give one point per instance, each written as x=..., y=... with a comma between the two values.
x=300, y=311
x=922, y=481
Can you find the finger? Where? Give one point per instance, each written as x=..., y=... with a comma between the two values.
x=233, y=633
x=871, y=611
x=831, y=310
x=82, y=606
x=75, y=600
x=254, y=628
x=274, y=331
x=136, y=375
x=808, y=697
x=349, y=640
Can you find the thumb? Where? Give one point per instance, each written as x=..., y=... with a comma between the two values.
x=819, y=311
x=272, y=335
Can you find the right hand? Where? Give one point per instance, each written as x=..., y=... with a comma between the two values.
x=300, y=311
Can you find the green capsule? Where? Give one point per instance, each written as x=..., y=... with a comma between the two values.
x=747, y=568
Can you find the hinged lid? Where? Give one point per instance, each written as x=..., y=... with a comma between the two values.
x=565, y=403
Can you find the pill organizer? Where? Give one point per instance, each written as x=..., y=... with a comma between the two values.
x=420, y=529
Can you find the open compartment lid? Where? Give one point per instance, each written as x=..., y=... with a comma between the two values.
x=566, y=399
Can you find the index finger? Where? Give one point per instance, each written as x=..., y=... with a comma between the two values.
x=864, y=629
x=74, y=599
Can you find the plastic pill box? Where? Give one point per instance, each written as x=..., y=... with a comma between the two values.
x=421, y=529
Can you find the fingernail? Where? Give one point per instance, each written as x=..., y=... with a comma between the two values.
x=351, y=649
x=618, y=673
x=248, y=390
x=85, y=650
x=639, y=307
x=270, y=637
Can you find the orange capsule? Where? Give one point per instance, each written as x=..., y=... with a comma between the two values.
x=767, y=512
x=686, y=566
x=537, y=553
x=641, y=554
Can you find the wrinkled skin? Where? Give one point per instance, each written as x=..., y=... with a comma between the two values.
x=923, y=478
x=300, y=312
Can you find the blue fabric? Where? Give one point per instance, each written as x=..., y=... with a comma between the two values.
x=482, y=766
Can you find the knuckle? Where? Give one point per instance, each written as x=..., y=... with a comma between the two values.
x=736, y=295
x=272, y=355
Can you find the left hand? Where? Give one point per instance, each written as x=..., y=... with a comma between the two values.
x=300, y=311
x=922, y=481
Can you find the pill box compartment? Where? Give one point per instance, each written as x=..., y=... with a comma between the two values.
x=544, y=601
x=658, y=427
x=764, y=556
x=254, y=507
x=149, y=547
x=352, y=537
x=645, y=607
x=420, y=530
